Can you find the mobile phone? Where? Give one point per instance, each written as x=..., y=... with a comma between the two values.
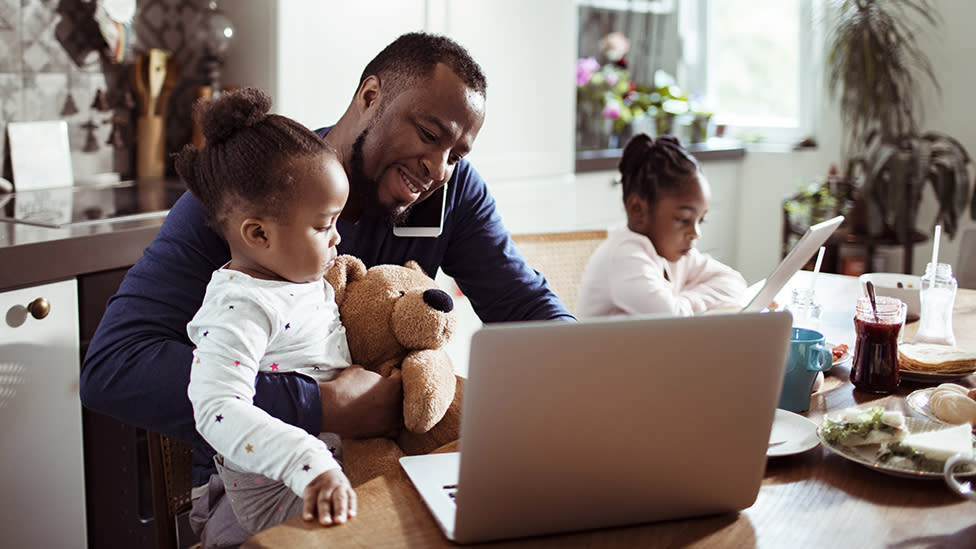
x=426, y=218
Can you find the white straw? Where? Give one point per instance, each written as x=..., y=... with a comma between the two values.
x=816, y=268
x=935, y=245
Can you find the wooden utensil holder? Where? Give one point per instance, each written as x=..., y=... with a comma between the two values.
x=150, y=146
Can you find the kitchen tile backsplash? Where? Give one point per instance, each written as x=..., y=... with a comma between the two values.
x=51, y=68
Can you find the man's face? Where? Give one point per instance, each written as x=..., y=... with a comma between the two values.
x=413, y=141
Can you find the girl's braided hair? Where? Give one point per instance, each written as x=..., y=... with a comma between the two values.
x=649, y=166
x=245, y=163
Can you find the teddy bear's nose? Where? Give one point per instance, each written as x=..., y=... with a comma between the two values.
x=439, y=300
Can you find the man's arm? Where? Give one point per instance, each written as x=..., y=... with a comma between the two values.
x=484, y=262
x=138, y=364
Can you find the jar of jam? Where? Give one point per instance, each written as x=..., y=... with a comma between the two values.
x=875, y=365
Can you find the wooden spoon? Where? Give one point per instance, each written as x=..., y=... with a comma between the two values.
x=157, y=75
x=172, y=77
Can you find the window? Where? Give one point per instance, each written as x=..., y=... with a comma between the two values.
x=757, y=64
x=751, y=63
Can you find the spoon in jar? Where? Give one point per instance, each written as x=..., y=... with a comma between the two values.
x=874, y=305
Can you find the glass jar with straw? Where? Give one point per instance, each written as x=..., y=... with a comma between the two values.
x=937, y=296
x=806, y=311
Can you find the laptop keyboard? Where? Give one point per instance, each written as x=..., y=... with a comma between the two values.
x=451, y=490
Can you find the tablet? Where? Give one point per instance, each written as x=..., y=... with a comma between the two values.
x=804, y=249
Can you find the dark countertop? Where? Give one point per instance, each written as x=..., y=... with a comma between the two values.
x=63, y=232
x=32, y=255
x=711, y=150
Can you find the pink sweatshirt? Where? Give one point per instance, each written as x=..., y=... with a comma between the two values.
x=626, y=276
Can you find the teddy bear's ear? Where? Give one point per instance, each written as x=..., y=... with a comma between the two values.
x=347, y=269
x=415, y=266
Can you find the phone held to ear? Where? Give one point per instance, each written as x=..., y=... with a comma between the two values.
x=425, y=219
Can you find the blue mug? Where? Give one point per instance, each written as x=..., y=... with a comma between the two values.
x=808, y=356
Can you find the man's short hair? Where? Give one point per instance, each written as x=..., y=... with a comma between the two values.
x=416, y=54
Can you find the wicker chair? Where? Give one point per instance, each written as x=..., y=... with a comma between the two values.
x=171, y=473
x=561, y=257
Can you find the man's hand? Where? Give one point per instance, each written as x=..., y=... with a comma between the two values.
x=361, y=404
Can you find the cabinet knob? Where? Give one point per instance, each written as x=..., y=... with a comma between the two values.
x=39, y=308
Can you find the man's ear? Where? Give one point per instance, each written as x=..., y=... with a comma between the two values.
x=254, y=233
x=367, y=97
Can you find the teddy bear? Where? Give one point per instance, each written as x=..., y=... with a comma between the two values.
x=396, y=316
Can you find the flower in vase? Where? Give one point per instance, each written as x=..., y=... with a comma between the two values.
x=614, y=47
x=585, y=67
x=612, y=111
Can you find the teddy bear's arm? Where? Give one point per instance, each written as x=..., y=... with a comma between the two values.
x=428, y=388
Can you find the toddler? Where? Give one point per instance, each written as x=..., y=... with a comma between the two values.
x=274, y=191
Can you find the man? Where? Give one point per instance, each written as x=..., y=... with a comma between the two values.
x=418, y=109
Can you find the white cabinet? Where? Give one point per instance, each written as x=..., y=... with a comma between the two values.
x=528, y=53
x=309, y=54
x=41, y=463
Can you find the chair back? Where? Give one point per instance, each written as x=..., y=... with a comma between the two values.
x=560, y=257
x=171, y=473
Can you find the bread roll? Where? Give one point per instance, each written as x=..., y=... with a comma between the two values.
x=953, y=407
x=951, y=387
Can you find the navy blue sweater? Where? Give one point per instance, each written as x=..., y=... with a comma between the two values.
x=138, y=364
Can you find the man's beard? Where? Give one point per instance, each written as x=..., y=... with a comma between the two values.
x=368, y=189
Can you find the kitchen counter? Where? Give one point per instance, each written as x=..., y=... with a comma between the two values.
x=711, y=150
x=32, y=254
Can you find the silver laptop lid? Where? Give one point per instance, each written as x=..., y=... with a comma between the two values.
x=615, y=421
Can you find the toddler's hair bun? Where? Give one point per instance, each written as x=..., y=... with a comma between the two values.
x=223, y=117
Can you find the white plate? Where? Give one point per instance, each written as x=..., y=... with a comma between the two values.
x=921, y=377
x=867, y=455
x=791, y=434
x=845, y=359
x=919, y=402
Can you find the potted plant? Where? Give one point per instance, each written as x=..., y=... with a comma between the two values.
x=873, y=68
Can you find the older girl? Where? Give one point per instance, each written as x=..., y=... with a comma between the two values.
x=651, y=265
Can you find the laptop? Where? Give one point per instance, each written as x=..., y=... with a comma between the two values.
x=607, y=422
x=802, y=251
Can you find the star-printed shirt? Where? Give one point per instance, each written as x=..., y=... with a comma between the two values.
x=245, y=326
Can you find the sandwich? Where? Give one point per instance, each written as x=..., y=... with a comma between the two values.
x=930, y=450
x=857, y=427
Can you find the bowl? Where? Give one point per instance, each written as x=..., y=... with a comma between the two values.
x=902, y=286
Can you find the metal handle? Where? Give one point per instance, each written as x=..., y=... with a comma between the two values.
x=39, y=308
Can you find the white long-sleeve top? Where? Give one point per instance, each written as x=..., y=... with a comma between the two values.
x=626, y=276
x=246, y=325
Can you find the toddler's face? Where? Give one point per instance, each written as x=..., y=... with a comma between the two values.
x=675, y=220
x=303, y=243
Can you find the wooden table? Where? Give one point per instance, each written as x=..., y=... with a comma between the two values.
x=814, y=499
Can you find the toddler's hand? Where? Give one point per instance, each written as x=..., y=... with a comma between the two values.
x=330, y=497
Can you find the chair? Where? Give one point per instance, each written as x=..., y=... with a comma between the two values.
x=561, y=257
x=171, y=474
